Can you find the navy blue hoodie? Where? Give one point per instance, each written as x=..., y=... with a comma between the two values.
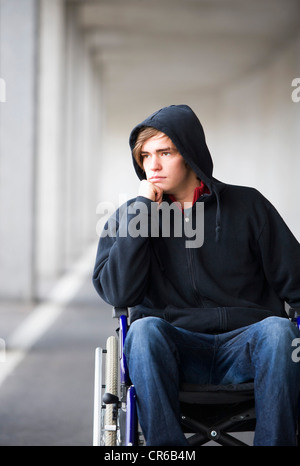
x=246, y=269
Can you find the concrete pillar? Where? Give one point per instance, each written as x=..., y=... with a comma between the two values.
x=51, y=126
x=68, y=142
x=82, y=140
x=50, y=133
x=18, y=54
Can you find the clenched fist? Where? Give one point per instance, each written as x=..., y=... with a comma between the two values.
x=151, y=191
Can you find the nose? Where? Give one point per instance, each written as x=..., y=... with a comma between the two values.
x=155, y=163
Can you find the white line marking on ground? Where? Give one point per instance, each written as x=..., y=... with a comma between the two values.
x=45, y=314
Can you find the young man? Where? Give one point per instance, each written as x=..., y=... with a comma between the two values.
x=208, y=314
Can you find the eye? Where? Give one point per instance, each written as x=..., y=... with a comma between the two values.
x=166, y=153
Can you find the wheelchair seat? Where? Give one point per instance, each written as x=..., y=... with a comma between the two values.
x=211, y=412
x=216, y=394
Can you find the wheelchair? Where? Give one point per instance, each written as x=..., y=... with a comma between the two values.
x=208, y=412
x=115, y=413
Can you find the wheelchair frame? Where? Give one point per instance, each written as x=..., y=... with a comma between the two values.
x=115, y=413
x=115, y=410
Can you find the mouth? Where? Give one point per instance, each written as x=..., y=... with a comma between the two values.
x=157, y=178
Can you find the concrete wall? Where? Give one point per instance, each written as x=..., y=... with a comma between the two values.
x=255, y=133
x=50, y=138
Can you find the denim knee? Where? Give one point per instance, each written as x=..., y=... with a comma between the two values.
x=278, y=329
x=145, y=327
x=276, y=335
x=144, y=333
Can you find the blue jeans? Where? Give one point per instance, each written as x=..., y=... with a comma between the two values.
x=160, y=357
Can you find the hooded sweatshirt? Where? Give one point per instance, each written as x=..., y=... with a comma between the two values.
x=245, y=269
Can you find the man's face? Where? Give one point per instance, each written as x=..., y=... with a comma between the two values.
x=164, y=166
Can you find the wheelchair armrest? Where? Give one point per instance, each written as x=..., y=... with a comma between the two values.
x=294, y=315
x=119, y=311
x=294, y=312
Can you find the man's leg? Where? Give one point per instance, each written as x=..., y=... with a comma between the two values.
x=153, y=367
x=263, y=351
x=156, y=354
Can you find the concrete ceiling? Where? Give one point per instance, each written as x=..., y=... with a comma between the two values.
x=153, y=48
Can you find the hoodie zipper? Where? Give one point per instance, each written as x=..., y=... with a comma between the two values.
x=197, y=296
x=191, y=267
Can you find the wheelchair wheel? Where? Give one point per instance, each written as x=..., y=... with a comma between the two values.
x=111, y=382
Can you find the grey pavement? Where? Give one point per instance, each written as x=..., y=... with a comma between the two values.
x=48, y=399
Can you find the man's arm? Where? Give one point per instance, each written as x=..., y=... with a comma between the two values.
x=280, y=252
x=123, y=257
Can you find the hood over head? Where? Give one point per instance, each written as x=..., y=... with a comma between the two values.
x=183, y=127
